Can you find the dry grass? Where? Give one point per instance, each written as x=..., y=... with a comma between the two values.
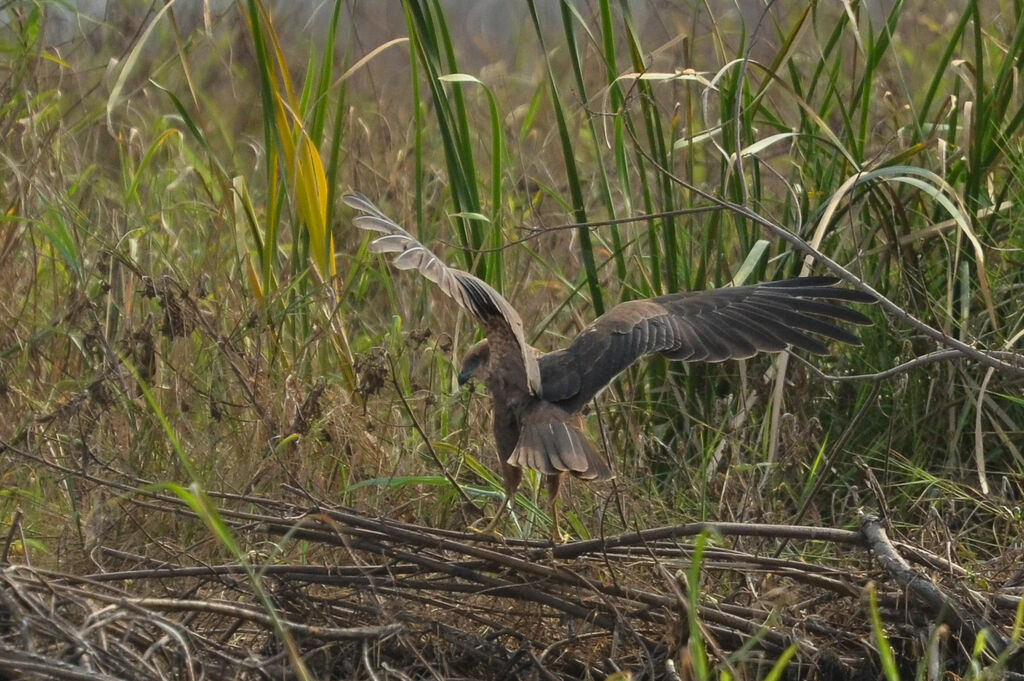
x=174, y=386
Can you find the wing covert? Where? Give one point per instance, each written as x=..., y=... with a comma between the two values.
x=704, y=326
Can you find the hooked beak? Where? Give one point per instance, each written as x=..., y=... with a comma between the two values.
x=472, y=363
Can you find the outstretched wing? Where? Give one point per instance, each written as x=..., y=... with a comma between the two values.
x=705, y=326
x=473, y=294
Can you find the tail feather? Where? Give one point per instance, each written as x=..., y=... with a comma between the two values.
x=551, y=441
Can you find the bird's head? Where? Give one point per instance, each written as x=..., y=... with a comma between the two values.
x=474, y=362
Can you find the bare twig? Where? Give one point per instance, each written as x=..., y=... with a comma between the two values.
x=426, y=440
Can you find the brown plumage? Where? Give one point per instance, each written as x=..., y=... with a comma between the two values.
x=538, y=397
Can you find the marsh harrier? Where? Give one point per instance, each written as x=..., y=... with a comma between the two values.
x=538, y=397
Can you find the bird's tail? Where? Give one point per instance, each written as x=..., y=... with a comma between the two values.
x=551, y=441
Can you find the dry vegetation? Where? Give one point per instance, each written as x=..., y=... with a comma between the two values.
x=230, y=441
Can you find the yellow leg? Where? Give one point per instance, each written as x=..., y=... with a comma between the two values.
x=557, y=536
x=492, y=527
x=554, y=483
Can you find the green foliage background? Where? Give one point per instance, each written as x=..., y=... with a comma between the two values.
x=171, y=219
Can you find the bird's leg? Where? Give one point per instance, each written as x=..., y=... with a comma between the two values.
x=554, y=484
x=492, y=527
x=513, y=476
x=557, y=536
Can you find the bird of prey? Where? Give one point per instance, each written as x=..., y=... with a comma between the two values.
x=538, y=397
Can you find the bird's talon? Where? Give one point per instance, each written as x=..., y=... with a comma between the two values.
x=491, y=530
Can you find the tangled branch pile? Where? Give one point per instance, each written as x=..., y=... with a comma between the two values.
x=387, y=600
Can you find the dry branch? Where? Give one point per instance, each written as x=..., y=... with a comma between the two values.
x=374, y=595
x=943, y=608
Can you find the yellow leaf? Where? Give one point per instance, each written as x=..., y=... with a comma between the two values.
x=254, y=279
